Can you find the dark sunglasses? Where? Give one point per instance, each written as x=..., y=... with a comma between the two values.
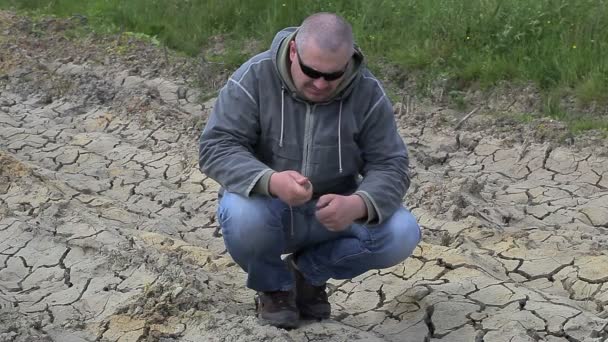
x=314, y=74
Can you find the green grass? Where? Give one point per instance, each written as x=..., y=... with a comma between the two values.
x=556, y=44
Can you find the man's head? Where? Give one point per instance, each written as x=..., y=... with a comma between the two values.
x=320, y=54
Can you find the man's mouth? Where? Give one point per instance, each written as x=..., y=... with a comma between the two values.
x=316, y=92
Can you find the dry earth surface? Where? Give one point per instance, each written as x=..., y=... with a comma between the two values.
x=107, y=228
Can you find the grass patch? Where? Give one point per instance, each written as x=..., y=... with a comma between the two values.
x=594, y=87
x=585, y=124
x=575, y=120
x=554, y=43
x=525, y=117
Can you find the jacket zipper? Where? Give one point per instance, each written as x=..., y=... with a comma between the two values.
x=308, y=125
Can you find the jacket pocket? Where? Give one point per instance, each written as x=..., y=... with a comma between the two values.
x=287, y=157
x=325, y=162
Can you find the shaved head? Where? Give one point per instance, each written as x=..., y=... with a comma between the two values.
x=322, y=49
x=328, y=31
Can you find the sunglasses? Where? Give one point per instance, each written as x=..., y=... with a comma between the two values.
x=315, y=74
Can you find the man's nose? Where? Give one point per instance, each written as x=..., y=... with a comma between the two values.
x=320, y=83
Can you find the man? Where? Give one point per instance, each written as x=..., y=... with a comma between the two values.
x=304, y=143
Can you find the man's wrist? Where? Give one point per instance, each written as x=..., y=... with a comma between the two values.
x=271, y=186
x=360, y=207
x=263, y=184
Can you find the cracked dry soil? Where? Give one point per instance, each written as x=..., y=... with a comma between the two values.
x=107, y=229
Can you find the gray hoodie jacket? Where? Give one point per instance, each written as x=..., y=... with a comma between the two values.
x=347, y=145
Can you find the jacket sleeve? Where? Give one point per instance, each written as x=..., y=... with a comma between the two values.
x=226, y=145
x=385, y=170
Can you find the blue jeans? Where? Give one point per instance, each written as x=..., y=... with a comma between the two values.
x=257, y=230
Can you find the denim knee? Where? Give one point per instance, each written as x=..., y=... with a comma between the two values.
x=250, y=224
x=397, y=238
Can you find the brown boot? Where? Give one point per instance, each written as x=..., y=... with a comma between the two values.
x=277, y=308
x=311, y=300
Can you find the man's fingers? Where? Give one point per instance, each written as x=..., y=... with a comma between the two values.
x=300, y=180
x=307, y=185
x=303, y=181
x=296, y=176
x=324, y=201
x=323, y=215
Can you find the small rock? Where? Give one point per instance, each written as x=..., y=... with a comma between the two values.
x=182, y=92
x=164, y=297
x=209, y=104
x=178, y=290
x=7, y=103
x=65, y=60
x=8, y=336
x=20, y=72
x=45, y=99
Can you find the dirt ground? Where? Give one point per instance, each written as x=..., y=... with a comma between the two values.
x=107, y=227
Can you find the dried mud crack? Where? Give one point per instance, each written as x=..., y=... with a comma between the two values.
x=107, y=228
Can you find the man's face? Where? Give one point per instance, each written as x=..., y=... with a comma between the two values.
x=317, y=73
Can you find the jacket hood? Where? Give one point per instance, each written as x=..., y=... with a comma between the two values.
x=280, y=50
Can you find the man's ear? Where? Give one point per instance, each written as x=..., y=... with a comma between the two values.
x=292, y=50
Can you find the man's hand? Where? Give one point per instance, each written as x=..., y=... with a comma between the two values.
x=338, y=212
x=291, y=187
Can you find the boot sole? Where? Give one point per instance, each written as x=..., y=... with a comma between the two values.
x=279, y=322
x=285, y=320
x=313, y=314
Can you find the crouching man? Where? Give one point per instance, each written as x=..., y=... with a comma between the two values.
x=304, y=143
